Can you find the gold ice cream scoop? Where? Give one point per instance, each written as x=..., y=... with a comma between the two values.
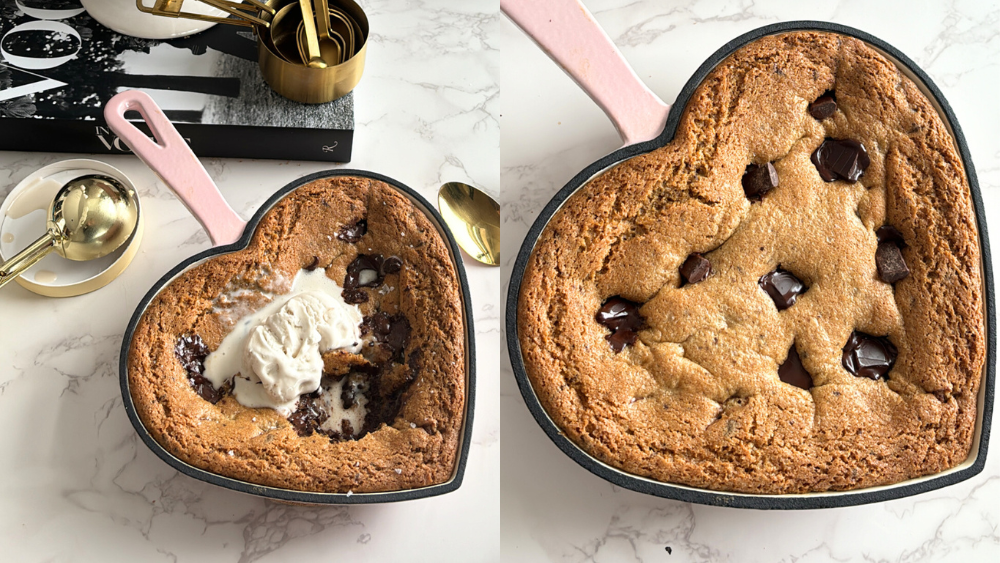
x=90, y=217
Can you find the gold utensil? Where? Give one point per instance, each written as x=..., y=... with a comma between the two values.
x=308, y=41
x=90, y=217
x=284, y=33
x=303, y=84
x=246, y=15
x=359, y=34
x=474, y=218
x=276, y=26
x=340, y=23
x=333, y=50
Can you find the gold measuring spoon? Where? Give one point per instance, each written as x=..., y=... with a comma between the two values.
x=284, y=33
x=340, y=23
x=90, y=217
x=474, y=219
x=332, y=49
x=307, y=40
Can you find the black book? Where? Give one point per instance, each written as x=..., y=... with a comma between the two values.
x=57, y=74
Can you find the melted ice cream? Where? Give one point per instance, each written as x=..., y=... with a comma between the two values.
x=276, y=351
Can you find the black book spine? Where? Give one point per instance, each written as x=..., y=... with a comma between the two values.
x=228, y=141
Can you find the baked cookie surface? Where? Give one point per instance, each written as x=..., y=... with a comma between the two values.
x=414, y=377
x=758, y=309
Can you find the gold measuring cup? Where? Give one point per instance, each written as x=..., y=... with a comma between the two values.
x=292, y=78
x=314, y=85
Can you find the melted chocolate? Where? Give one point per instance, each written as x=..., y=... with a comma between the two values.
x=623, y=318
x=309, y=414
x=783, y=288
x=355, y=384
x=364, y=262
x=377, y=267
x=353, y=233
x=391, y=265
x=192, y=351
x=845, y=159
x=393, y=331
x=793, y=372
x=868, y=356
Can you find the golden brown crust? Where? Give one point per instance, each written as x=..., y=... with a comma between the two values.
x=419, y=448
x=697, y=399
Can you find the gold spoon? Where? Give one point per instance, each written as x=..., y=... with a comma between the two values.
x=474, y=219
x=90, y=217
x=308, y=41
x=341, y=24
x=330, y=49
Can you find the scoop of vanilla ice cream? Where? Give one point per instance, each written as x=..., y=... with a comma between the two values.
x=284, y=351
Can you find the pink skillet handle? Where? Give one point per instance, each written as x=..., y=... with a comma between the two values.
x=571, y=37
x=172, y=160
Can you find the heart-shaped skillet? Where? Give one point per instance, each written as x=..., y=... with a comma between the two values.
x=417, y=376
x=652, y=323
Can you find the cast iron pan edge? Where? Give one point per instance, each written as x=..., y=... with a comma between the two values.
x=303, y=496
x=764, y=502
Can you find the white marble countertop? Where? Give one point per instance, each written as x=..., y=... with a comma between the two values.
x=554, y=510
x=77, y=483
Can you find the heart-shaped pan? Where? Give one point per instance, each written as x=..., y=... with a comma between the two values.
x=170, y=157
x=573, y=39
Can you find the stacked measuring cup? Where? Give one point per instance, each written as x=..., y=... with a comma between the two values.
x=310, y=51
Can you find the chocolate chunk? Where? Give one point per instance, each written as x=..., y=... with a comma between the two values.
x=371, y=263
x=206, y=390
x=312, y=265
x=823, y=107
x=354, y=296
x=391, y=330
x=353, y=233
x=792, y=371
x=392, y=265
x=888, y=233
x=845, y=159
x=890, y=263
x=758, y=180
x=623, y=318
x=696, y=268
x=783, y=288
x=386, y=396
x=192, y=351
x=399, y=334
x=345, y=428
x=825, y=173
x=868, y=356
x=309, y=414
x=364, y=271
